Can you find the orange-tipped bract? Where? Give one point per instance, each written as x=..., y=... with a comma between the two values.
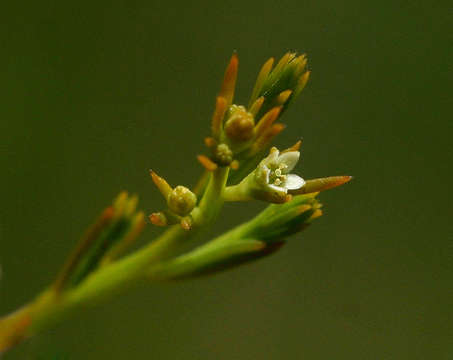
x=262, y=76
x=163, y=186
x=322, y=184
x=266, y=121
x=229, y=80
x=217, y=117
x=207, y=163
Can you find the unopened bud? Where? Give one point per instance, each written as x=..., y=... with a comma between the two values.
x=186, y=223
x=181, y=200
x=239, y=126
x=223, y=155
x=158, y=219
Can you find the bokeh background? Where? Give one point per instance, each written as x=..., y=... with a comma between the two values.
x=96, y=93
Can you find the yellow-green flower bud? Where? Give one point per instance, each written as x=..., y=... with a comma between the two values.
x=223, y=155
x=181, y=200
x=240, y=124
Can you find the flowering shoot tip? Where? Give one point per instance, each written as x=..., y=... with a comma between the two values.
x=238, y=135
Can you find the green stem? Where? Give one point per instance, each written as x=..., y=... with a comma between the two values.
x=52, y=306
x=212, y=201
x=225, y=247
x=237, y=193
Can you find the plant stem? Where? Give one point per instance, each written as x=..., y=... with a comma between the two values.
x=212, y=201
x=52, y=306
x=236, y=193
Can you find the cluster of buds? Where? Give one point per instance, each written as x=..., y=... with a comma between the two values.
x=240, y=133
x=281, y=85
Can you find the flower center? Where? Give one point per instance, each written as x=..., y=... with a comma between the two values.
x=277, y=176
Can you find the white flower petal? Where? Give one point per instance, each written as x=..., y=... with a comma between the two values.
x=273, y=153
x=278, y=188
x=268, y=173
x=290, y=159
x=294, y=182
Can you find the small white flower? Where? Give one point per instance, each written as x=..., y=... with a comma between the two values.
x=270, y=181
x=273, y=172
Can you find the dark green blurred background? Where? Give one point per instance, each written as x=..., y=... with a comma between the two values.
x=95, y=94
